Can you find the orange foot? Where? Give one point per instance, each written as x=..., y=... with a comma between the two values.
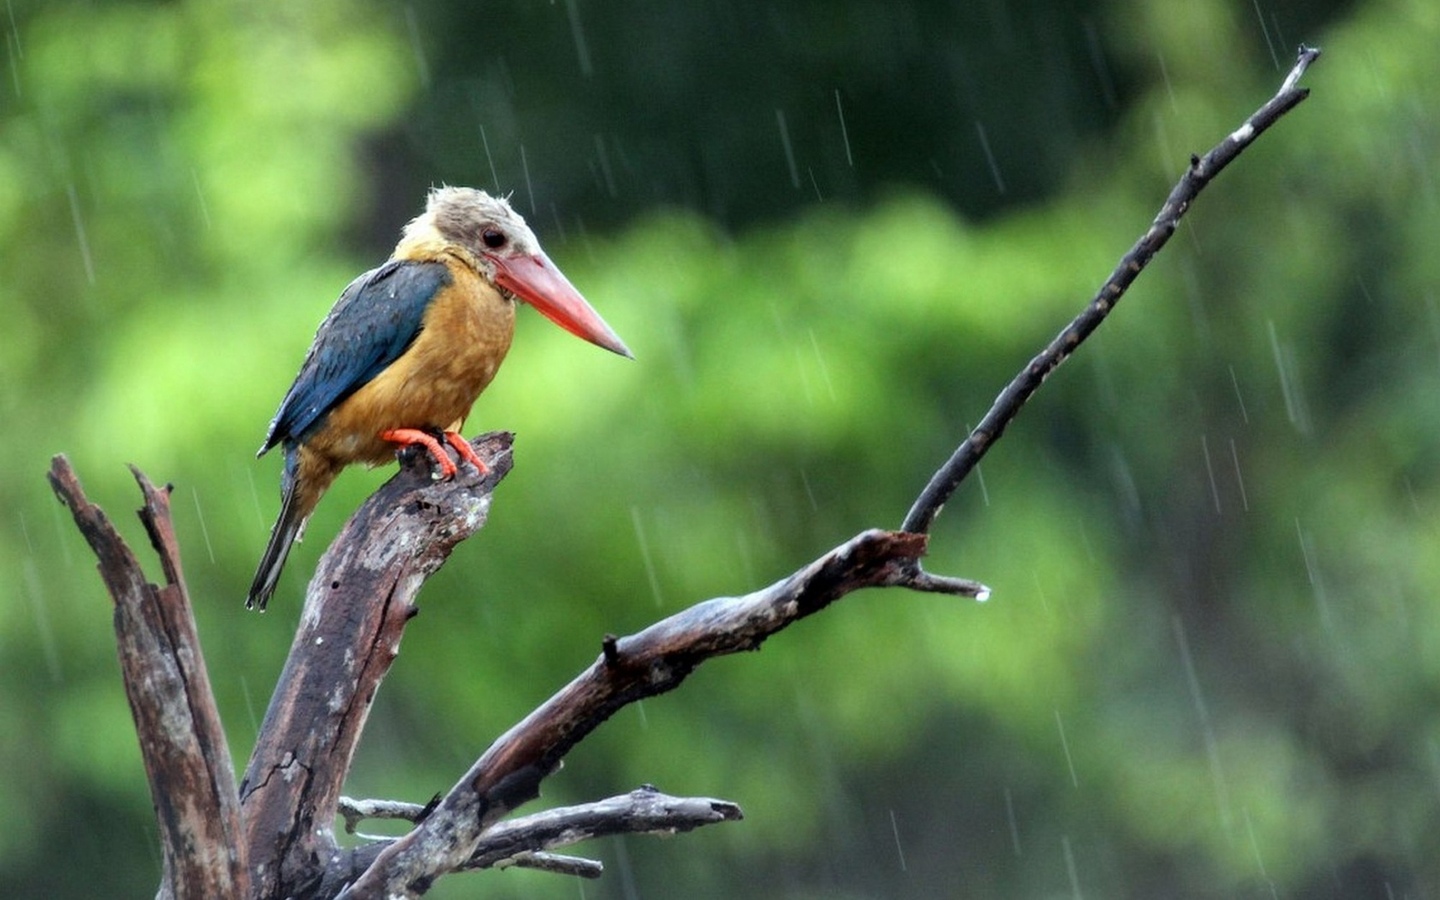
x=409, y=436
x=406, y=437
x=467, y=452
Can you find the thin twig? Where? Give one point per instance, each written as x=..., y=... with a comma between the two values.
x=642, y=811
x=1201, y=172
x=522, y=841
x=356, y=811
x=555, y=864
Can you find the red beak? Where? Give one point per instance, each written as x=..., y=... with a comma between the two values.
x=537, y=281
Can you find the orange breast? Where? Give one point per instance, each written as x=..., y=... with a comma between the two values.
x=433, y=384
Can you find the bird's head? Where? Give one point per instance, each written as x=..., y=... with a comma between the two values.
x=506, y=251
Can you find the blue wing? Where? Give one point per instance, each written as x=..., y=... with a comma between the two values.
x=374, y=321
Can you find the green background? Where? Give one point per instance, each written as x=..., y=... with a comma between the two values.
x=830, y=233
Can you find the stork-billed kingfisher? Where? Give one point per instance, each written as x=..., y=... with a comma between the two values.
x=407, y=349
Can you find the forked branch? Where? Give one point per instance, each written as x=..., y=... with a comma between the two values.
x=650, y=662
x=187, y=762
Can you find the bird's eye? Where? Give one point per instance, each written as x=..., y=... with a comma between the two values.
x=493, y=238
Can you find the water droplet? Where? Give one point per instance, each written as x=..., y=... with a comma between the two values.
x=645, y=554
x=990, y=157
x=1210, y=470
x=789, y=150
x=895, y=829
x=844, y=133
x=80, y=234
x=577, y=31
x=1065, y=745
x=422, y=66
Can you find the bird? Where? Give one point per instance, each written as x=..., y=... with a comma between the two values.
x=407, y=349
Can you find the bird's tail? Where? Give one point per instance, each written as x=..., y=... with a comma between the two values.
x=297, y=501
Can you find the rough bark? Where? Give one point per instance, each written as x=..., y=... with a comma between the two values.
x=356, y=609
x=186, y=759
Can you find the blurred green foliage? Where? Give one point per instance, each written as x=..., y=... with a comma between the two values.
x=1209, y=663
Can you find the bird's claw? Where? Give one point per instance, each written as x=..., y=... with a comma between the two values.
x=467, y=452
x=409, y=437
x=445, y=467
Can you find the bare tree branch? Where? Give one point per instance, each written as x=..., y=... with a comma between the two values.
x=183, y=745
x=356, y=811
x=520, y=841
x=642, y=811
x=651, y=662
x=555, y=864
x=356, y=609
x=1007, y=405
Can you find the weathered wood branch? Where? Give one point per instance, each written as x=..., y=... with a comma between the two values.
x=521, y=841
x=644, y=810
x=650, y=662
x=356, y=608
x=1201, y=172
x=186, y=759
